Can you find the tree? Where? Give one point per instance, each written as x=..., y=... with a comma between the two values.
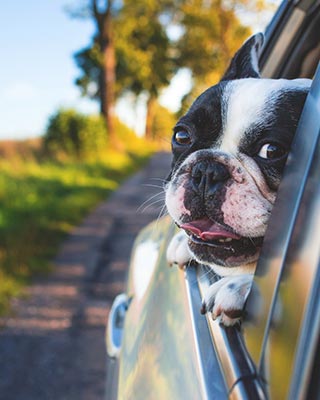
x=211, y=34
x=132, y=50
x=144, y=51
x=141, y=59
x=98, y=61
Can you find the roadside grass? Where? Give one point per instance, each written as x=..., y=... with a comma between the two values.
x=42, y=200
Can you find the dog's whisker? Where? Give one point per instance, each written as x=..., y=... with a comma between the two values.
x=150, y=205
x=251, y=239
x=158, y=179
x=209, y=273
x=149, y=199
x=162, y=213
x=155, y=186
x=188, y=264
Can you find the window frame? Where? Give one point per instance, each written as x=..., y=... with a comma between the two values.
x=242, y=369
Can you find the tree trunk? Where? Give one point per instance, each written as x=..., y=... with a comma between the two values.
x=107, y=82
x=151, y=108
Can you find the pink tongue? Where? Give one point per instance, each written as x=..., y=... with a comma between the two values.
x=208, y=230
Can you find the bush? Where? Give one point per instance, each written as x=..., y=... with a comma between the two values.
x=74, y=134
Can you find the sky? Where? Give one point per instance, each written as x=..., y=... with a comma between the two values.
x=37, y=41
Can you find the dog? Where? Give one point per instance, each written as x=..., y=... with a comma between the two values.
x=229, y=151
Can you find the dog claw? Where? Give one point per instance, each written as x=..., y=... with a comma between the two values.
x=180, y=266
x=203, y=309
x=233, y=313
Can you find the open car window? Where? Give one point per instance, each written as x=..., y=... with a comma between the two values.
x=292, y=46
x=272, y=354
x=283, y=305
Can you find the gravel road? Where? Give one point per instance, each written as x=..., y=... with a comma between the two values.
x=52, y=346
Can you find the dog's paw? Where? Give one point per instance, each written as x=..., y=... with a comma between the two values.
x=226, y=298
x=178, y=251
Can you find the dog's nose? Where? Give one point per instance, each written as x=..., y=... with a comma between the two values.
x=208, y=177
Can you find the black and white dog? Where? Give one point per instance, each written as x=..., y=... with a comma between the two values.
x=229, y=152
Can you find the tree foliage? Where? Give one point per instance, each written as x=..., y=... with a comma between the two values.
x=90, y=62
x=162, y=124
x=143, y=48
x=145, y=51
x=146, y=54
x=212, y=33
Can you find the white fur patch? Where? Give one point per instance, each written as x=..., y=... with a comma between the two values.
x=226, y=296
x=175, y=202
x=245, y=209
x=245, y=102
x=178, y=250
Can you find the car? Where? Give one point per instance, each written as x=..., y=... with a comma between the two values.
x=160, y=346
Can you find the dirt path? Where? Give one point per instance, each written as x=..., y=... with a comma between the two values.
x=53, y=345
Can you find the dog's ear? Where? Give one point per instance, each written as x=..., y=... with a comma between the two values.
x=245, y=62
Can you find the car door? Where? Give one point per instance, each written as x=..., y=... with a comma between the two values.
x=166, y=343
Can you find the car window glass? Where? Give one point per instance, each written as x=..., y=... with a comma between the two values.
x=280, y=311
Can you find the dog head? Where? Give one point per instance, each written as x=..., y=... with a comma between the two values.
x=229, y=151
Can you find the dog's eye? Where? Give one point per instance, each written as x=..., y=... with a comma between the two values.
x=271, y=151
x=182, y=137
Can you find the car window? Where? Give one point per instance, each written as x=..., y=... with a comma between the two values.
x=275, y=343
x=292, y=47
x=282, y=305
x=272, y=352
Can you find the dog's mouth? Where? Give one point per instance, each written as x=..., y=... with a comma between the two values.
x=214, y=242
x=209, y=231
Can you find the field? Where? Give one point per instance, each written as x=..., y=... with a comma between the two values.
x=40, y=202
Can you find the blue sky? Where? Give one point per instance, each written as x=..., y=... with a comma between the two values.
x=37, y=41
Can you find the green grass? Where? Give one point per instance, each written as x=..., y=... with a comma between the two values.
x=40, y=202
